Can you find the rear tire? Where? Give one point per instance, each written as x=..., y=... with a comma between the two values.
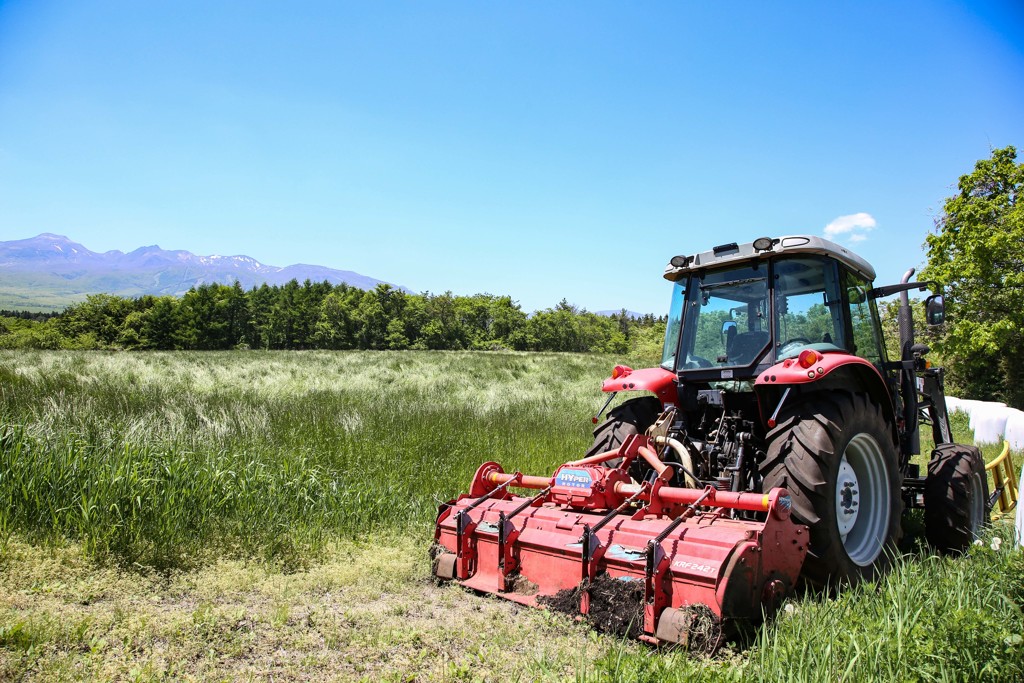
x=631, y=417
x=955, y=497
x=835, y=454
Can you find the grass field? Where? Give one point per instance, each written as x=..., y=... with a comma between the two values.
x=267, y=516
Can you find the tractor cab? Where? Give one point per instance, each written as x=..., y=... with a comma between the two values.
x=736, y=311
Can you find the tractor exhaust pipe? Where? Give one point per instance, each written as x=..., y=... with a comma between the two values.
x=905, y=317
x=908, y=387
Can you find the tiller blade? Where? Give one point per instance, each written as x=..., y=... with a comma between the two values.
x=663, y=563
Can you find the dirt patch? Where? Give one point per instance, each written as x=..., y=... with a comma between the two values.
x=566, y=601
x=522, y=585
x=616, y=605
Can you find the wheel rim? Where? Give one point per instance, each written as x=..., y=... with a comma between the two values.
x=863, y=506
x=977, y=504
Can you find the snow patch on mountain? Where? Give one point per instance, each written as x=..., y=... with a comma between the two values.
x=56, y=262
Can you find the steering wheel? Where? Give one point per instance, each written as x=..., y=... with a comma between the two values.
x=793, y=343
x=693, y=362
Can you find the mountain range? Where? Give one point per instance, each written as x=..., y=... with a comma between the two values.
x=50, y=271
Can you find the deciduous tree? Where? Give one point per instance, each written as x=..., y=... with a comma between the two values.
x=977, y=253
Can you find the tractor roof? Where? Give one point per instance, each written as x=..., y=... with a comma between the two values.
x=767, y=248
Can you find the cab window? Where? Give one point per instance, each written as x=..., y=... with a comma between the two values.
x=808, y=306
x=863, y=317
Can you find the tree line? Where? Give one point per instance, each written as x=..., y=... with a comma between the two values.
x=319, y=315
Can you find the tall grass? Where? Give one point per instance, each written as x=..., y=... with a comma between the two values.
x=163, y=458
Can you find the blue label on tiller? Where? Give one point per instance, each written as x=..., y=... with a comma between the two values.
x=576, y=479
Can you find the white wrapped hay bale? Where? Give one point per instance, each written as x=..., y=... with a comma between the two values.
x=989, y=422
x=1014, y=432
x=969, y=405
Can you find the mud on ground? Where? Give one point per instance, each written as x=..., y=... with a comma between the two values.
x=616, y=605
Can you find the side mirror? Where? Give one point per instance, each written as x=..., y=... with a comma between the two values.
x=729, y=331
x=935, y=310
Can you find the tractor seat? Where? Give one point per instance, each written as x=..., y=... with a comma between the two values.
x=744, y=348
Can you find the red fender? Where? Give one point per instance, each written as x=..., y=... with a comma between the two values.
x=860, y=373
x=792, y=371
x=659, y=381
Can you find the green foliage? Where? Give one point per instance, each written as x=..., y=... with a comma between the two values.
x=100, y=315
x=19, y=333
x=645, y=343
x=813, y=324
x=977, y=252
x=213, y=317
x=565, y=328
x=923, y=333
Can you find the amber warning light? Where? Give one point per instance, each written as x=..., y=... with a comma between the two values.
x=807, y=358
x=621, y=371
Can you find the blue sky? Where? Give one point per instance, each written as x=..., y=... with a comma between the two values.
x=537, y=149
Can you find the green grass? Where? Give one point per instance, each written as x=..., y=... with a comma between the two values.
x=15, y=297
x=160, y=459
x=248, y=515
x=367, y=611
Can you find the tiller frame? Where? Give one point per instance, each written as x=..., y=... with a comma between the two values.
x=737, y=554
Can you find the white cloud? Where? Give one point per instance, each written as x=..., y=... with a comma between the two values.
x=855, y=227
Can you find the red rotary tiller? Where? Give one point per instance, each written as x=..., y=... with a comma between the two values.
x=737, y=554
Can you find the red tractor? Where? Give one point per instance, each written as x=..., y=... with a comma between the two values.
x=776, y=449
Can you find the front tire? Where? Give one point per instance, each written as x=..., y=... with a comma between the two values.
x=955, y=497
x=634, y=416
x=835, y=454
